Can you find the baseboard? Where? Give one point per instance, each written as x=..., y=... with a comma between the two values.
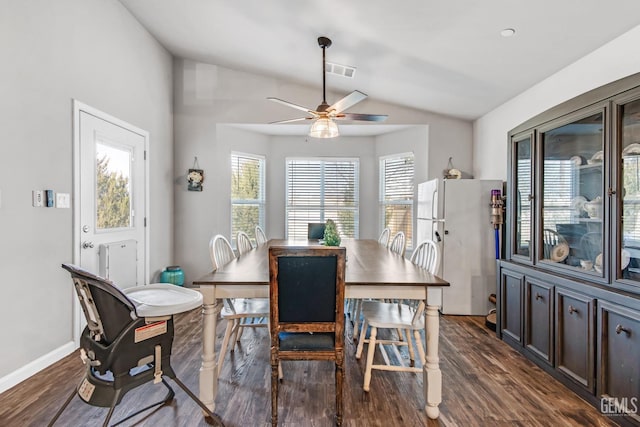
x=36, y=366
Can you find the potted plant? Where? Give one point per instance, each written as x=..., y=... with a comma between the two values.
x=331, y=235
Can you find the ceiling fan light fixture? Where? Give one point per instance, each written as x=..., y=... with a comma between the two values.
x=324, y=127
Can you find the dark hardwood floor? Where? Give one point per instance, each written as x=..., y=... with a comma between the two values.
x=486, y=383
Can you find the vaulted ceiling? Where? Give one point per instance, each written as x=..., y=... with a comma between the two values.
x=442, y=56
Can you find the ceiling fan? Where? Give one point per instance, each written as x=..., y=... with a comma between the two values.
x=324, y=115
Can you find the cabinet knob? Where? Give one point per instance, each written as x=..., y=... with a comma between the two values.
x=620, y=328
x=538, y=296
x=611, y=191
x=572, y=309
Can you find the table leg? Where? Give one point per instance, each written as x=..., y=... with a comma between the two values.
x=209, y=367
x=431, y=370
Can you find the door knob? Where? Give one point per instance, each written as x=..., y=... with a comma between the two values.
x=87, y=245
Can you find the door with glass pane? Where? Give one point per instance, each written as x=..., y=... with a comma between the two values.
x=111, y=199
x=522, y=196
x=573, y=203
x=628, y=250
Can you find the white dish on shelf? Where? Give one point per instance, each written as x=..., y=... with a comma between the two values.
x=559, y=252
x=596, y=158
x=597, y=266
x=577, y=160
x=631, y=150
x=625, y=259
x=577, y=204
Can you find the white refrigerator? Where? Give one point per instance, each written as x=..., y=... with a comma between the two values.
x=456, y=215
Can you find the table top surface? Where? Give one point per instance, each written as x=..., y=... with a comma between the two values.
x=368, y=263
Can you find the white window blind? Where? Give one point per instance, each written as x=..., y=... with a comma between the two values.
x=247, y=194
x=322, y=189
x=396, y=194
x=524, y=189
x=631, y=201
x=559, y=189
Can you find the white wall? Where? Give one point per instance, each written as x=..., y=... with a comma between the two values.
x=208, y=97
x=613, y=61
x=53, y=52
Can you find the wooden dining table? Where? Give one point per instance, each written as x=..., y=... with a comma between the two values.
x=372, y=271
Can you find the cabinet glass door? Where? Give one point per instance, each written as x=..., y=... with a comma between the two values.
x=571, y=196
x=522, y=197
x=629, y=252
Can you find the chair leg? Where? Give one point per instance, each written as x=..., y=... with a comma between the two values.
x=361, y=339
x=274, y=392
x=412, y=356
x=423, y=358
x=214, y=419
x=225, y=343
x=237, y=327
x=356, y=317
x=111, y=408
x=370, y=351
x=61, y=410
x=339, y=379
x=168, y=397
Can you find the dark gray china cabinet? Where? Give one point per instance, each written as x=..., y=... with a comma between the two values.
x=569, y=283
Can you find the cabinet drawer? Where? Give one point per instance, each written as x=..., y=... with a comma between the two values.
x=511, y=305
x=538, y=325
x=575, y=337
x=619, y=350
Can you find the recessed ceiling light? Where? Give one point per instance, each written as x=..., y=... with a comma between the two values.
x=507, y=32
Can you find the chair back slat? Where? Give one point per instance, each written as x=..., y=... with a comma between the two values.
x=426, y=255
x=221, y=251
x=243, y=242
x=261, y=237
x=384, y=237
x=398, y=243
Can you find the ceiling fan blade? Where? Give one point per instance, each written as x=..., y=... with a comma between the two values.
x=362, y=117
x=348, y=101
x=292, y=105
x=291, y=120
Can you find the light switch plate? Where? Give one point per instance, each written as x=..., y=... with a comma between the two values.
x=63, y=200
x=37, y=197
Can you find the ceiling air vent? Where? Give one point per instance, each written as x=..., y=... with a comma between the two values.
x=340, y=70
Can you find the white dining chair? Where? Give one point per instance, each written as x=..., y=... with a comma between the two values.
x=407, y=316
x=261, y=237
x=243, y=243
x=354, y=304
x=383, y=239
x=398, y=243
x=239, y=313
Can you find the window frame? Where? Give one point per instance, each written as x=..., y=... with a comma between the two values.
x=382, y=192
x=261, y=201
x=322, y=207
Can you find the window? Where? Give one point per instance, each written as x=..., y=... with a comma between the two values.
x=396, y=194
x=560, y=185
x=322, y=189
x=247, y=193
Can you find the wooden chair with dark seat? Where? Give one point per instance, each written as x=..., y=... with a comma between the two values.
x=307, y=311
